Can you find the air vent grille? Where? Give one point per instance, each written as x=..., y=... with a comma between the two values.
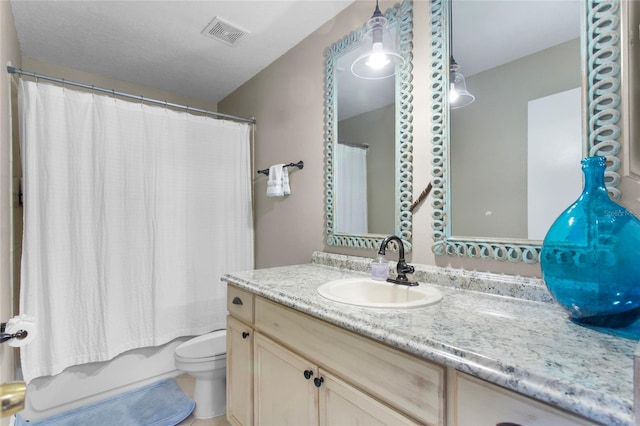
x=223, y=31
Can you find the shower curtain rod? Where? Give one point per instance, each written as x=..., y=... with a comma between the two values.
x=13, y=70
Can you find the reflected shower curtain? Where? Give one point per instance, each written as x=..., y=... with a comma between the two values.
x=132, y=215
x=351, y=189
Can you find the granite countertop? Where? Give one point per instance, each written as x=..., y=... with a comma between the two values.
x=525, y=345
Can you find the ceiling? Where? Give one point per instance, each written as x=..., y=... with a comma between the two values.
x=160, y=43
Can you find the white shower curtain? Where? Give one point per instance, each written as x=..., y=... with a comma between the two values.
x=132, y=214
x=351, y=189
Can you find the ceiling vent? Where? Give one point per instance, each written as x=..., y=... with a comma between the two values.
x=223, y=31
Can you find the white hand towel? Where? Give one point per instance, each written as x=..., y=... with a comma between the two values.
x=275, y=183
x=286, y=189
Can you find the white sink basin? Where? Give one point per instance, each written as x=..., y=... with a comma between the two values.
x=379, y=294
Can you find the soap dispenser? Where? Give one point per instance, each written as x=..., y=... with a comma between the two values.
x=380, y=268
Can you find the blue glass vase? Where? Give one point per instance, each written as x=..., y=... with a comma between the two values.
x=589, y=256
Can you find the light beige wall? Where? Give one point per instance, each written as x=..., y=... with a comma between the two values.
x=377, y=129
x=287, y=99
x=9, y=52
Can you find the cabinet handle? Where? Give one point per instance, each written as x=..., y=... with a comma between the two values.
x=508, y=424
x=245, y=334
x=237, y=301
x=308, y=374
x=318, y=381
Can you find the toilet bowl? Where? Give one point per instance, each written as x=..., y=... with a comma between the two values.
x=204, y=357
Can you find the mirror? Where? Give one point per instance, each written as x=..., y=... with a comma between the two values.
x=504, y=168
x=368, y=142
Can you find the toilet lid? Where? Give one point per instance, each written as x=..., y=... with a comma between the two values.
x=221, y=357
x=204, y=346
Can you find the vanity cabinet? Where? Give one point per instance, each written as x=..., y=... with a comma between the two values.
x=358, y=379
x=474, y=402
x=286, y=367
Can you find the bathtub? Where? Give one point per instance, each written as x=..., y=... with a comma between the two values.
x=86, y=383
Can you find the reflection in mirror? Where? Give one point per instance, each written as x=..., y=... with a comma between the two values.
x=369, y=142
x=525, y=75
x=365, y=153
x=507, y=165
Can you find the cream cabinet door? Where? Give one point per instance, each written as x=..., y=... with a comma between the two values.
x=475, y=402
x=239, y=373
x=342, y=404
x=284, y=392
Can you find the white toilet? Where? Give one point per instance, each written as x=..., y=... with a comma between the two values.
x=205, y=358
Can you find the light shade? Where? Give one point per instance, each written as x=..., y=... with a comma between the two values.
x=459, y=96
x=380, y=58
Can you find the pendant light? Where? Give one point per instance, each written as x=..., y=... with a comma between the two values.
x=380, y=57
x=459, y=96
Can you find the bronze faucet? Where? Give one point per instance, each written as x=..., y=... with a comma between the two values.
x=403, y=268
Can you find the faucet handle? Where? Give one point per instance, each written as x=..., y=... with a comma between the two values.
x=404, y=268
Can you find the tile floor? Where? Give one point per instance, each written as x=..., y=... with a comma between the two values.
x=186, y=383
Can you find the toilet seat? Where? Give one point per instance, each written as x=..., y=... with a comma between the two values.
x=210, y=346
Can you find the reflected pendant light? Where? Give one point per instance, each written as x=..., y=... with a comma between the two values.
x=380, y=57
x=459, y=96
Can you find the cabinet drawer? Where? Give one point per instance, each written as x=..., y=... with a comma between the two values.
x=479, y=403
x=407, y=383
x=240, y=304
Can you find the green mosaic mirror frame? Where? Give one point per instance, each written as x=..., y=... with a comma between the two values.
x=400, y=16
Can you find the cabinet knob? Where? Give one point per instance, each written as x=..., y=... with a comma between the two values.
x=318, y=381
x=237, y=301
x=245, y=334
x=308, y=374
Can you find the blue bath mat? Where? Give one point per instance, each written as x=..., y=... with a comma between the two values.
x=159, y=404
